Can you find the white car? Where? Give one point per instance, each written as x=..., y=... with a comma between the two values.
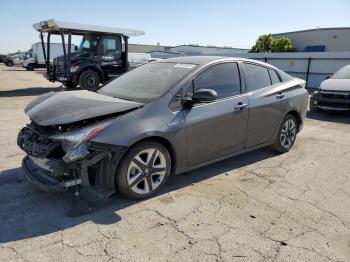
x=334, y=92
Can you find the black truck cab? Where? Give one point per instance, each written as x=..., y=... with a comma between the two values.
x=101, y=56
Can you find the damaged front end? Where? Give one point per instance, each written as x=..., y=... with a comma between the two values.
x=61, y=157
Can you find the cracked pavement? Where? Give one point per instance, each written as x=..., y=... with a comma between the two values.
x=255, y=207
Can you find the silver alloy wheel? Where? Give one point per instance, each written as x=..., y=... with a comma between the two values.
x=146, y=171
x=288, y=133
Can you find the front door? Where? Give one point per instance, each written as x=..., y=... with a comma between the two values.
x=109, y=53
x=218, y=128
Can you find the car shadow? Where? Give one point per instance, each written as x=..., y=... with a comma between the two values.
x=26, y=212
x=32, y=91
x=330, y=116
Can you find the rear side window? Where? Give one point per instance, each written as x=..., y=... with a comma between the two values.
x=274, y=77
x=284, y=76
x=223, y=78
x=257, y=77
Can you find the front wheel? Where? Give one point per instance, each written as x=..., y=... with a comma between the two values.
x=286, y=135
x=143, y=171
x=89, y=80
x=30, y=67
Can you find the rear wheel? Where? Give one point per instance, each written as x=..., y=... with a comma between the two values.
x=9, y=63
x=286, y=135
x=143, y=171
x=89, y=80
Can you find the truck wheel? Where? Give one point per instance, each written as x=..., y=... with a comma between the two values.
x=143, y=170
x=9, y=63
x=70, y=85
x=89, y=80
x=30, y=67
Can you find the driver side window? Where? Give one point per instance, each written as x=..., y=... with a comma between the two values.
x=110, y=45
x=223, y=78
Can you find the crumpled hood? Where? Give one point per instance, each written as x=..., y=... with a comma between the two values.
x=336, y=85
x=57, y=108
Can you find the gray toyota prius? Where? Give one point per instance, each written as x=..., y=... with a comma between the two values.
x=163, y=118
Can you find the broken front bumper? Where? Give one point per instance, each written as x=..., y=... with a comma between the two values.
x=61, y=176
x=330, y=100
x=42, y=179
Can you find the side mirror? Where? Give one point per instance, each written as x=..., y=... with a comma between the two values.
x=202, y=96
x=75, y=48
x=329, y=76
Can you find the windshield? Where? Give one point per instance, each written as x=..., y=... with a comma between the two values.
x=88, y=43
x=147, y=82
x=343, y=73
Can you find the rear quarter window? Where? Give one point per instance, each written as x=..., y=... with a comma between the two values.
x=284, y=76
x=275, y=79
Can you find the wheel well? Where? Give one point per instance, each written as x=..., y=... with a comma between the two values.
x=297, y=117
x=167, y=145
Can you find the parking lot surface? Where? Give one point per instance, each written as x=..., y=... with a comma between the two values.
x=260, y=206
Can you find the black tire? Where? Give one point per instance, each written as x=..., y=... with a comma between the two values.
x=30, y=67
x=70, y=85
x=89, y=80
x=9, y=63
x=283, y=146
x=124, y=180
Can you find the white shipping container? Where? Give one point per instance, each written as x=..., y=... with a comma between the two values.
x=56, y=49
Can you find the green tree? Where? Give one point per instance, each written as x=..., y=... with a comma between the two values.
x=279, y=45
x=267, y=44
x=262, y=44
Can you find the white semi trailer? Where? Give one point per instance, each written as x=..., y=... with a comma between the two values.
x=36, y=59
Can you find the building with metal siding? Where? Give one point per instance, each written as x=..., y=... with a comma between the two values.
x=206, y=50
x=333, y=39
x=140, y=48
x=186, y=49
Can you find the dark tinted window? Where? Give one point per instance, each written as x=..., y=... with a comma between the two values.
x=257, y=77
x=274, y=77
x=223, y=78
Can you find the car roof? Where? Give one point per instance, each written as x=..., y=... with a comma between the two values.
x=203, y=60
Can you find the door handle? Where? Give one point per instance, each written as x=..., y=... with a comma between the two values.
x=280, y=95
x=240, y=106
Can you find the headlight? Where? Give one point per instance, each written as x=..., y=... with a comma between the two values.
x=76, y=138
x=74, y=144
x=74, y=68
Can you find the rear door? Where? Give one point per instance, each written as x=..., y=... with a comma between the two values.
x=217, y=128
x=267, y=103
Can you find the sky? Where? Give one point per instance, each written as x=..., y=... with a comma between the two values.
x=204, y=22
